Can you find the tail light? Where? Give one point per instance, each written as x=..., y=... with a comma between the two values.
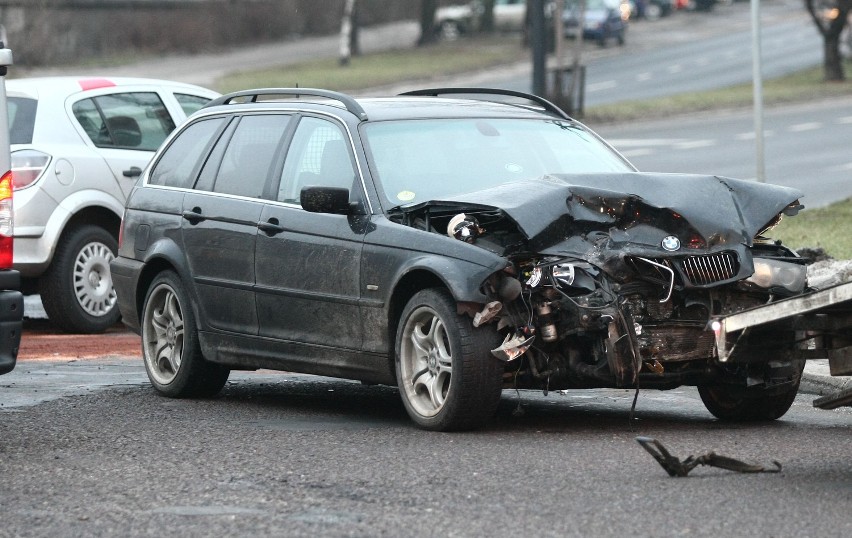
x=27, y=167
x=6, y=220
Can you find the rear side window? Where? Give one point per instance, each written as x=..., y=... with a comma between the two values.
x=22, y=112
x=136, y=120
x=190, y=103
x=176, y=166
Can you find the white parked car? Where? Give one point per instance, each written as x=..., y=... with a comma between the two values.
x=78, y=146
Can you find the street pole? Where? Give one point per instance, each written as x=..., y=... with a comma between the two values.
x=538, y=40
x=757, y=85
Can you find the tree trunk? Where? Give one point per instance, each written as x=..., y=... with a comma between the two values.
x=831, y=28
x=486, y=23
x=428, y=34
x=346, y=32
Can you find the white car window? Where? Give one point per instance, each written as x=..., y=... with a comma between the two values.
x=136, y=120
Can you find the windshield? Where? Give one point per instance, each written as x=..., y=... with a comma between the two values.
x=420, y=160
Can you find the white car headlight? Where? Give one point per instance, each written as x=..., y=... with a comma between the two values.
x=777, y=274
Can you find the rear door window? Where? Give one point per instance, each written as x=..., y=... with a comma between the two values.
x=178, y=164
x=133, y=120
x=252, y=153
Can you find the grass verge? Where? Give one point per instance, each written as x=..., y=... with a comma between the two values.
x=802, y=86
x=825, y=227
x=371, y=70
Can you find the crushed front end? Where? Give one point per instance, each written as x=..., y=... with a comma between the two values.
x=613, y=280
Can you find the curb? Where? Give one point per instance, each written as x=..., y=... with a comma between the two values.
x=817, y=379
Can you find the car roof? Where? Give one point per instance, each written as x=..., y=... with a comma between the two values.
x=43, y=87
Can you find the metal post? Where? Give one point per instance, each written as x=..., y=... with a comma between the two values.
x=757, y=85
x=538, y=40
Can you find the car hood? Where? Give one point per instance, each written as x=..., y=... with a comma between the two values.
x=563, y=214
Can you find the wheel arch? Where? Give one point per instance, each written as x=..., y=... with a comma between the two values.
x=164, y=256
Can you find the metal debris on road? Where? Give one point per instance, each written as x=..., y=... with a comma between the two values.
x=676, y=467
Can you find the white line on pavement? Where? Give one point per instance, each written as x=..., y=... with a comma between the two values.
x=800, y=127
x=605, y=85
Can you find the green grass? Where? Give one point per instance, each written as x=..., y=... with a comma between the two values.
x=826, y=227
x=371, y=70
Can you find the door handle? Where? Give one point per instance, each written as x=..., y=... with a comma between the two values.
x=194, y=216
x=133, y=171
x=270, y=227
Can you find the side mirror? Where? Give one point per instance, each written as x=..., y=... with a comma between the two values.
x=334, y=200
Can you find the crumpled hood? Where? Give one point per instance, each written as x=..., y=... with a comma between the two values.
x=634, y=207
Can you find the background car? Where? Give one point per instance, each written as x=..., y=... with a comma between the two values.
x=11, y=300
x=78, y=145
x=604, y=20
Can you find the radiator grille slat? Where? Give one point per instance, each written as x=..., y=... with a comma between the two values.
x=704, y=270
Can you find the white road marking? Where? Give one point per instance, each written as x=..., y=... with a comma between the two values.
x=840, y=168
x=642, y=77
x=605, y=85
x=637, y=152
x=641, y=142
x=845, y=119
x=693, y=144
x=676, y=68
x=750, y=135
x=801, y=127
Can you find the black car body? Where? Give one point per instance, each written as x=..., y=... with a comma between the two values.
x=452, y=244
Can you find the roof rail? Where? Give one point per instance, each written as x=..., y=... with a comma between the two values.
x=541, y=101
x=347, y=100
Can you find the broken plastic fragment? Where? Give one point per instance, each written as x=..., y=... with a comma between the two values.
x=487, y=314
x=513, y=347
x=676, y=467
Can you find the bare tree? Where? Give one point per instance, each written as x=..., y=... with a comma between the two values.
x=427, y=22
x=349, y=32
x=830, y=17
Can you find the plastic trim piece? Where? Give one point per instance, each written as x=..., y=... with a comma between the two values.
x=347, y=100
x=541, y=101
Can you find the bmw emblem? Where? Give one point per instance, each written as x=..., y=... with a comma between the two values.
x=671, y=243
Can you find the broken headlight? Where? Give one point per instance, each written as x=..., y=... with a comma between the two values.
x=770, y=273
x=573, y=278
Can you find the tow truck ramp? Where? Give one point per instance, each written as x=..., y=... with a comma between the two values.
x=821, y=320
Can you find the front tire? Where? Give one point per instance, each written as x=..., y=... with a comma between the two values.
x=170, y=349
x=76, y=290
x=738, y=403
x=447, y=378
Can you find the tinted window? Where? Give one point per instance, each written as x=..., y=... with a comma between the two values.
x=22, y=113
x=250, y=155
x=190, y=103
x=318, y=156
x=176, y=166
x=125, y=120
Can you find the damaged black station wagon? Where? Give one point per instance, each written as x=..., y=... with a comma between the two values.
x=453, y=242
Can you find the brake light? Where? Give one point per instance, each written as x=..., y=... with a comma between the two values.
x=27, y=167
x=6, y=220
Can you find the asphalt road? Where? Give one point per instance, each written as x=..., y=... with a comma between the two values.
x=806, y=147
x=282, y=455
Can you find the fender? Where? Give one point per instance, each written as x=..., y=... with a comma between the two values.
x=461, y=277
x=56, y=224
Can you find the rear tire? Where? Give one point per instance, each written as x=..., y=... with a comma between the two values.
x=738, y=403
x=76, y=290
x=447, y=377
x=170, y=349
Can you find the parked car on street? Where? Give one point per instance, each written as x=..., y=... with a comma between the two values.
x=78, y=145
x=453, y=242
x=604, y=20
x=455, y=20
x=11, y=299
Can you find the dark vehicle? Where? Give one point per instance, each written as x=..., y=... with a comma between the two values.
x=454, y=242
x=11, y=298
x=604, y=20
